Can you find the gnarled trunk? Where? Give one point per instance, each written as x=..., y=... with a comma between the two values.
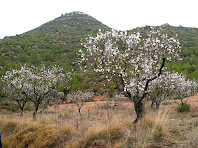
x=35, y=111
x=139, y=109
x=157, y=105
x=21, y=114
x=21, y=105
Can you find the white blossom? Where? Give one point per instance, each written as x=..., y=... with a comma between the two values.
x=131, y=57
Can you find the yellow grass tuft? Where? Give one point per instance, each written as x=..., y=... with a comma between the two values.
x=102, y=135
x=95, y=128
x=147, y=131
x=37, y=135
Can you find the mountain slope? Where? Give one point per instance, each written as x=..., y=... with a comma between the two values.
x=75, y=23
x=56, y=41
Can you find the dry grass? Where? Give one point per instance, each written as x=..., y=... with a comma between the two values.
x=102, y=127
x=37, y=135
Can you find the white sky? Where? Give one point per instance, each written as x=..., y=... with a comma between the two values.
x=19, y=16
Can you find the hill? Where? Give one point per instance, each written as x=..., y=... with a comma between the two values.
x=71, y=24
x=56, y=41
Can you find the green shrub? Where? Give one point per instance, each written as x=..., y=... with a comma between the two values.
x=101, y=91
x=183, y=108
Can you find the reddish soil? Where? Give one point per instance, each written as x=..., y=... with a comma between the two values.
x=97, y=102
x=126, y=103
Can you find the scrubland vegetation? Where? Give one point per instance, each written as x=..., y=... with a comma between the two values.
x=147, y=100
x=102, y=127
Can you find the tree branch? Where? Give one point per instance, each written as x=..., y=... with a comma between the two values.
x=151, y=79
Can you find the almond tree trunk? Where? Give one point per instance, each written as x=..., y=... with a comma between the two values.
x=21, y=114
x=140, y=111
x=157, y=105
x=35, y=111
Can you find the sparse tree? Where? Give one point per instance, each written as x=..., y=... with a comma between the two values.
x=79, y=98
x=131, y=61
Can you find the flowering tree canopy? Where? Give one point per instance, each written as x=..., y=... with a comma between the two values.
x=34, y=83
x=170, y=86
x=183, y=88
x=161, y=88
x=131, y=61
x=79, y=98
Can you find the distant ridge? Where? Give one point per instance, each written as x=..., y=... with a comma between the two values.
x=74, y=21
x=58, y=42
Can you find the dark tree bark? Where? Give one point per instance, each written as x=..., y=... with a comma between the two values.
x=21, y=105
x=140, y=111
x=36, y=106
x=21, y=111
x=157, y=105
x=79, y=107
x=35, y=111
x=138, y=105
x=38, y=100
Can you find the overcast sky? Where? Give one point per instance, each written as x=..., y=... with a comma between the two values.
x=19, y=16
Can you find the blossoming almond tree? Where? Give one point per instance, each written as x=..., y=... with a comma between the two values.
x=171, y=86
x=161, y=88
x=16, y=95
x=131, y=61
x=79, y=98
x=184, y=88
x=14, y=84
x=35, y=82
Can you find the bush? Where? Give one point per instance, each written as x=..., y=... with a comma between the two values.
x=183, y=108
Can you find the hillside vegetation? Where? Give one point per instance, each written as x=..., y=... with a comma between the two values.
x=90, y=97
x=58, y=42
x=55, y=42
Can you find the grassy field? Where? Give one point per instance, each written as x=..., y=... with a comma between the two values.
x=101, y=126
